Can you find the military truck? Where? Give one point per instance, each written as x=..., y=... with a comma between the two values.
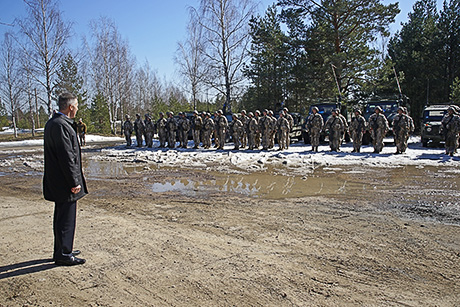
x=325, y=110
x=431, y=124
x=390, y=110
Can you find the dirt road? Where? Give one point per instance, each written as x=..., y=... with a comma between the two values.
x=147, y=248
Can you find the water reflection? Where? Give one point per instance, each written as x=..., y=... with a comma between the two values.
x=260, y=185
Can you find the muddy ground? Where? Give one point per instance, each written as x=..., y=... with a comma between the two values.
x=391, y=239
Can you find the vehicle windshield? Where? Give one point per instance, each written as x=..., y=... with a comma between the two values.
x=433, y=115
x=388, y=108
x=325, y=109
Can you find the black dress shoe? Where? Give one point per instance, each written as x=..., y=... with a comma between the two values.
x=72, y=260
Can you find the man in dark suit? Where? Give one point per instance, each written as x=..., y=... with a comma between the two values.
x=63, y=181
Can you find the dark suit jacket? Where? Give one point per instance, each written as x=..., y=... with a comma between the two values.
x=63, y=169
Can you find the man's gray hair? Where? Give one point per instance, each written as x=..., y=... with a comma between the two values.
x=65, y=100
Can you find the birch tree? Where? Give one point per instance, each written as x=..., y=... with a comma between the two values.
x=10, y=85
x=112, y=68
x=190, y=58
x=226, y=33
x=46, y=35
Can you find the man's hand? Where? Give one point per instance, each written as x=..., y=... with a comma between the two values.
x=76, y=189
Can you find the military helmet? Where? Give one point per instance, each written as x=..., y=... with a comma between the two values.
x=180, y=113
x=250, y=114
x=285, y=109
x=219, y=112
x=282, y=113
x=243, y=111
x=127, y=116
x=402, y=109
x=171, y=113
x=195, y=112
x=315, y=108
x=257, y=112
x=378, y=108
x=138, y=115
x=337, y=110
x=270, y=112
x=265, y=111
x=161, y=113
x=357, y=111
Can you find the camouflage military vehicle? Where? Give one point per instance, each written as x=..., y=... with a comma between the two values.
x=431, y=124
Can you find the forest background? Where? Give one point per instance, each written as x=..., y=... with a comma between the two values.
x=294, y=54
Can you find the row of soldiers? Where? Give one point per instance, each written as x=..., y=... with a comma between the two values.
x=336, y=126
x=252, y=129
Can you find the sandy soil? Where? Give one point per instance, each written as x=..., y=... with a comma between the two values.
x=166, y=249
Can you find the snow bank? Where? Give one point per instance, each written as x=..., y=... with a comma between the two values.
x=39, y=142
x=297, y=159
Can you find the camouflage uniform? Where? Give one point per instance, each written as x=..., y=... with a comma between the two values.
x=283, y=131
x=208, y=128
x=253, y=126
x=148, y=131
x=162, y=130
x=378, y=125
x=197, y=125
x=171, y=126
x=345, y=126
x=139, y=129
x=291, y=125
x=451, y=128
x=222, y=126
x=258, y=133
x=215, y=133
x=334, y=126
x=127, y=130
x=315, y=124
x=244, y=134
x=236, y=127
x=184, y=127
x=401, y=131
x=271, y=129
x=357, y=128
x=263, y=127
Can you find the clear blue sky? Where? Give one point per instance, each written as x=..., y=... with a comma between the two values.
x=152, y=27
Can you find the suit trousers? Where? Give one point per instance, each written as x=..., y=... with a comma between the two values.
x=65, y=214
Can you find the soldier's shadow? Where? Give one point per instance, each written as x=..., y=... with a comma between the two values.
x=26, y=267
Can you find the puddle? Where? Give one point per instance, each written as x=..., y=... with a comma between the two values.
x=262, y=185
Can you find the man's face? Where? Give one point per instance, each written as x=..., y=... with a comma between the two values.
x=73, y=109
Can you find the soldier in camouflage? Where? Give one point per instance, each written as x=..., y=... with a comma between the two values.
x=450, y=128
x=258, y=134
x=378, y=125
x=357, y=127
x=253, y=126
x=315, y=125
x=171, y=127
x=283, y=128
x=244, y=135
x=139, y=129
x=401, y=130
x=222, y=126
x=271, y=121
x=208, y=128
x=162, y=130
x=197, y=125
x=215, y=132
x=334, y=127
x=263, y=127
x=148, y=131
x=184, y=127
x=291, y=125
x=345, y=125
x=236, y=129
x=127, y=130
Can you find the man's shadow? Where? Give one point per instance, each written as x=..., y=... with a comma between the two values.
x=26, y=267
